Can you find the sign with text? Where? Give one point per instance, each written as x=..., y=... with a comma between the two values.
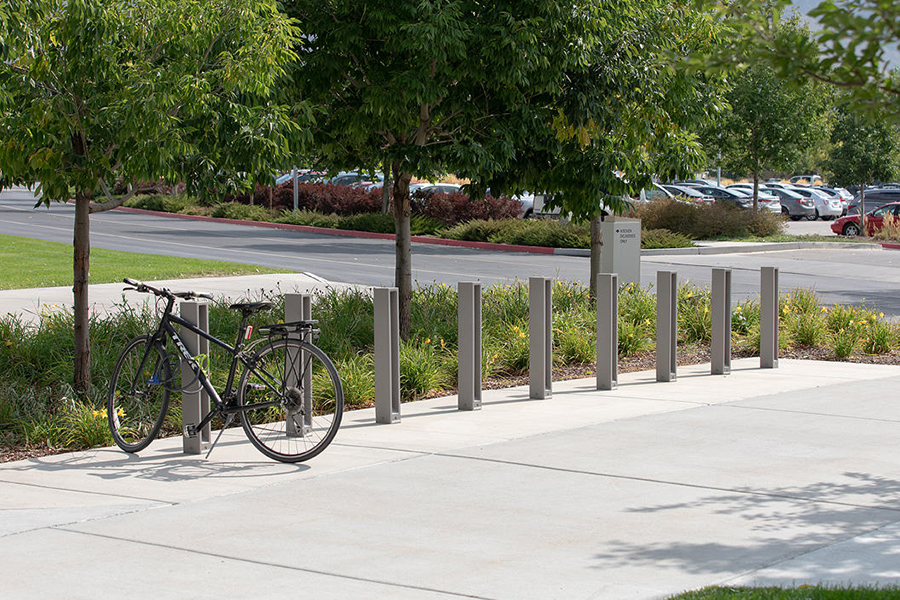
x=621, y=249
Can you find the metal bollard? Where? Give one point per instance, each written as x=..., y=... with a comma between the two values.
x=298, y=307
x=768, y=318
x=607, y=331
x=194, y=399
x=469, y=346
x=720, y=347
x=540, y=341
x=387, y=355
x=666, y=325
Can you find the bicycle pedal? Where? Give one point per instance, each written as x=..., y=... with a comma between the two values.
x=190, y=431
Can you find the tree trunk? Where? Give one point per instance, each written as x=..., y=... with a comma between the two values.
x=596, y=247
x=386, y=190
x=403, y=271
x=82, y=254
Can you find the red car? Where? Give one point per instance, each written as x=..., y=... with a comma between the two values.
x=849, y=225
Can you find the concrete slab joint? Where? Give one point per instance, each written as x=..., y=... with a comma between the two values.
x=540, y=341
x=387, y=355
x=469, y=346
x=720, y=343
x=195, y=400
x=666, y=325
x=607, y=331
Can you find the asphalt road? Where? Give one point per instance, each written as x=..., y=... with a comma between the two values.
x=838, y=275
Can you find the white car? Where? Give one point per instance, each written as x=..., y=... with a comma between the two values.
x=828, y=207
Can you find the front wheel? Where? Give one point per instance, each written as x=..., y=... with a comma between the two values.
x=851, y=229
x=138, y=394
x=291, y=400
x=813, y=216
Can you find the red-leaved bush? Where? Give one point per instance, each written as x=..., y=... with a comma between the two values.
x=325, y=198
x=451, y=209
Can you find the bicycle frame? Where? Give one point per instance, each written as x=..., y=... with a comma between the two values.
x=238, y=355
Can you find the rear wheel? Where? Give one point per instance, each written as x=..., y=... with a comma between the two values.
x=813, y=216
x=851, y=229
x=138, y=394
x=295, y=400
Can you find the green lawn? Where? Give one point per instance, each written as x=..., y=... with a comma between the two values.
x=27, y=263
x=803, y=592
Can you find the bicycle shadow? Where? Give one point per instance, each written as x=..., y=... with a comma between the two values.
x=167, y=464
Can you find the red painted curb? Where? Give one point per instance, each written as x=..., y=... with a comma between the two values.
x=890, y=246
x=421, y=239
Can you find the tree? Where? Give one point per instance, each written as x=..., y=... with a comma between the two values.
x=768, y=125
x=621, y=115
x=855, y=46
x=864, y=150
x=101, y=92
x=432, y=86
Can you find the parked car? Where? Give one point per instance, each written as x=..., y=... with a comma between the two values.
x=696, y=182
x=765, y=199
x=655, y=192
x=793, y=204
x=689, y=193
x=733, y=197
x=807, y=179
x=840, y=192
x=355, y=178
x=850, y=226
x=874, y=198
x=827, y=207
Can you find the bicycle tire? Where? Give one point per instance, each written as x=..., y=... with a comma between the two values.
x=137, y=402
x=288, y=431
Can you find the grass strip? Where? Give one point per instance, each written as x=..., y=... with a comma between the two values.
x=803, y=592
x=28, y=263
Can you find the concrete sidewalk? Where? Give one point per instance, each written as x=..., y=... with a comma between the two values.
x=782, y=476
x=106, y=297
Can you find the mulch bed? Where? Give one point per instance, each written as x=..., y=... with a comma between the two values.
x=687, y=355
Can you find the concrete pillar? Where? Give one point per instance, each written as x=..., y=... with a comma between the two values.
x=469, y=345
x=768, y=318
x=194, y=399
x=387, y=355
x=666, y=325
x=298, y=307
x=720, y=349
x=607, y=331
x=540, y=341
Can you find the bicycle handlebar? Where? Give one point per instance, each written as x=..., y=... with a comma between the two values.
x=142, y=287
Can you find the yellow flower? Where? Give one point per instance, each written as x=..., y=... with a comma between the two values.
x=443, y=345
x=427, y=340
x=521, y=335
x=824, y=309
x=881, y=314
x=737, y=309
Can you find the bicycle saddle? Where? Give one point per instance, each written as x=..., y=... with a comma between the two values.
x=248, y=308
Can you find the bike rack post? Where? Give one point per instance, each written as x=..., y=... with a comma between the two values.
x=298, y=307
x=387, y=355
x=721, y=322
x=768, y=318
x=194, y=399
x=469, y=345
x=607, y=331
x=540, y=341
x=666, y=325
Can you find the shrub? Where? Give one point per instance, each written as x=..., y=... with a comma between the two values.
x=694, y=318
x=243, y=212
x=530, y=232
x=663, y=238
x=450, y=209
x=890, y=229
x=707, y=221
x=162, y=203
x=308, y=217
x=420, y=370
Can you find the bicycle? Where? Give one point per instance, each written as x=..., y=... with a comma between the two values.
x=289, y=394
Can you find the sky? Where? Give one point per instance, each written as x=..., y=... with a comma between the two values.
x=892, y=54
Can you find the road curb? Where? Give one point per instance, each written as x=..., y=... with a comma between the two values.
x=582, y=252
